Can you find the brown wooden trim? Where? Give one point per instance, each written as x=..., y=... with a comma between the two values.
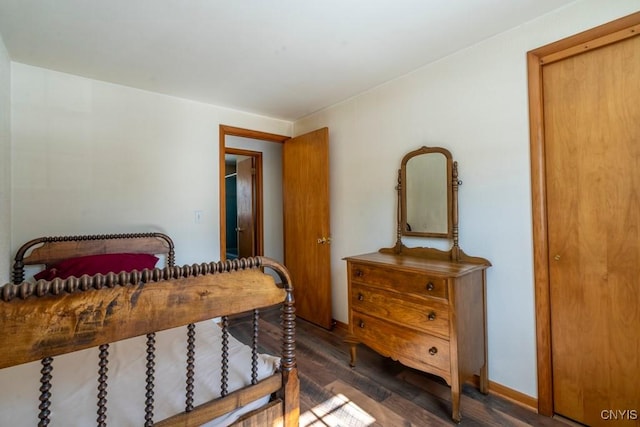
x=245, y=133
x=588, y=35
x=510, y=394
x=592, y=44
x=536, y=59
x=340, y=326
x=222, y=205
x=540, y=249
x=255, y=134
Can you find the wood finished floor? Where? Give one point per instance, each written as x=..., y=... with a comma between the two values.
x=378, y=391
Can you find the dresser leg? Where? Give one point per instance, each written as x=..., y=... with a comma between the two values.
x=483, y=385
x=455, y=403
x=353, y=343
x=352, y=351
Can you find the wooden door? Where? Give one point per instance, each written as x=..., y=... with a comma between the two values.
x=306, y=224
x=245, y=194
x=592, y=173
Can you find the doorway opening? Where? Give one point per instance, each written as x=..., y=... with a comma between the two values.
x=263, y=197
x=298, y=237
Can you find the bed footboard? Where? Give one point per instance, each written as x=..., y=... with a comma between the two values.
x=47, y=319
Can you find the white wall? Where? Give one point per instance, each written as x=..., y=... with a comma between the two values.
x=91, y=157
x=5, y=165
x=473, y=103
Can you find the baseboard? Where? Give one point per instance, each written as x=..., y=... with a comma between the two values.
x=510, y=394
x=337, y=325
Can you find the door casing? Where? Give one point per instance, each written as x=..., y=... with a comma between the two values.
x=245, y=133
x=314, y=144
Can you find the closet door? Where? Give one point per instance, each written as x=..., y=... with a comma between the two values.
x=592, y=161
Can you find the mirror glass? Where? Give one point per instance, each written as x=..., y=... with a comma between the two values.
x=426, y=193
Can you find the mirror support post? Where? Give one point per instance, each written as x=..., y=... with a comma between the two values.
x=455, y=250
x=398, y=246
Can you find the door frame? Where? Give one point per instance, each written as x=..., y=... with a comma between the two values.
x=625, y=27
x=225, y=130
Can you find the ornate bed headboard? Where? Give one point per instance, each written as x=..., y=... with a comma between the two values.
x=50, y=250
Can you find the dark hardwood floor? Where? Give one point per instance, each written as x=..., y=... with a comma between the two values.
x=378, y=391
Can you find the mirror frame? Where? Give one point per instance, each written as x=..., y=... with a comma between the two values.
x=402, y=194
x=455, y=254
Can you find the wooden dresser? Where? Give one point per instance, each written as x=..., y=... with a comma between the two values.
x=429, y=314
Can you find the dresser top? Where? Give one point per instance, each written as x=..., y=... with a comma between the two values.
x=421, y=264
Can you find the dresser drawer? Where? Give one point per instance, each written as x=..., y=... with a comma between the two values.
x=401, y=281
x=425, y=314
x=412, y=348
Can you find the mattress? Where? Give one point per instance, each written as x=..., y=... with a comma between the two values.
x=74, y=383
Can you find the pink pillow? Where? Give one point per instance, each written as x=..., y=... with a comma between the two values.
x=94, y=264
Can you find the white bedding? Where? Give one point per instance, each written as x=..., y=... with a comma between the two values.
x=74, y=383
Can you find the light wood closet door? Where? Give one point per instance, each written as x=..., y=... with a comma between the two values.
x=592, y=143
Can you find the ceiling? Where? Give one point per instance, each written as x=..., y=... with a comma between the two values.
x=279, y=58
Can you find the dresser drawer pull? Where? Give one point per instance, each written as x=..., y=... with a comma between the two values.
x=432, y=316
x=361, y=324
x=430, y=286
x=360, y=296
x=358, y=273
x=433, y=351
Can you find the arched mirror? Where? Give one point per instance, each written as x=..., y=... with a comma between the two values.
x=428, y=198
x=426, y=193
